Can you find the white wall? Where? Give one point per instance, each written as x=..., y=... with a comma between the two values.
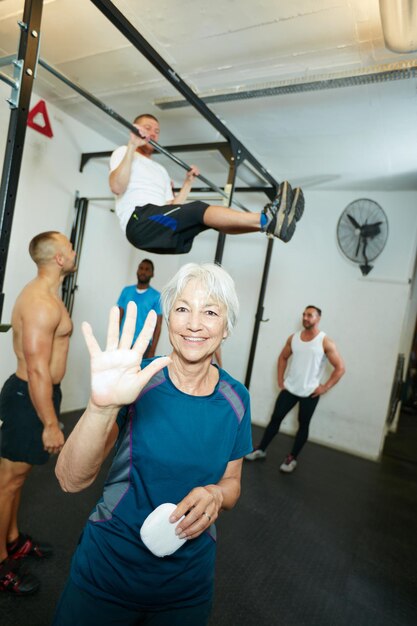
x=365, y=316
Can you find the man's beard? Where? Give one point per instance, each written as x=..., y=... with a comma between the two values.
x=146, y=150
x=72, y=270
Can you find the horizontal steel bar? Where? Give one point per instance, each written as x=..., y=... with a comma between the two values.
x=7, y=79
x=109, y=111
x=116, y=17
x=7, y=60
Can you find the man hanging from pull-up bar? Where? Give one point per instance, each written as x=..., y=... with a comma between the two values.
x=156, y=221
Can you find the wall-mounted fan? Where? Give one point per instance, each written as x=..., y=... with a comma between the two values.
x=362, y=232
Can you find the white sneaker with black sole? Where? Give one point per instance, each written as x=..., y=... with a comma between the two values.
x=255, y=455
x=288, y=465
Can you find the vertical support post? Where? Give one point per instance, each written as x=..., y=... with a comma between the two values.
x=232, y=153
x=77, y=235
x=27, y=54
x=259, y=311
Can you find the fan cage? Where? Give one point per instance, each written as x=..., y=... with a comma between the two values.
x=364, y=212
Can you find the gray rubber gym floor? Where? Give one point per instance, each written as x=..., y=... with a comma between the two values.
x=334, y=544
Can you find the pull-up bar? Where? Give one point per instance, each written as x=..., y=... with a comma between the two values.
x=109, y=111
x=132, y=34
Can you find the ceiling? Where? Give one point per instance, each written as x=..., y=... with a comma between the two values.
x=361, y=137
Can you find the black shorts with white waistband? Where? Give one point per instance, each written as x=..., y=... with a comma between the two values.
x=168, y=229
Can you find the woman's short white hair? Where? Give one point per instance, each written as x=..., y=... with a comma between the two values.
x=215, y=279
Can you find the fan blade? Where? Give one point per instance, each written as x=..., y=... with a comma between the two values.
x=371, y=230
x=358, y=246
x=353, y=221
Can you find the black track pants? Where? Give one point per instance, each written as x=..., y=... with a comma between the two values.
x=285, y=402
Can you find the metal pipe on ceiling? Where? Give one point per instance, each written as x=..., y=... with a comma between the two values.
x=399, y=24
x=402, y=70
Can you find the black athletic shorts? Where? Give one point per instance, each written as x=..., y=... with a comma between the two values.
x=21, y=431
x=168, y=229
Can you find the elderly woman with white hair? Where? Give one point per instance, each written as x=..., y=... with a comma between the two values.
x=180, y=427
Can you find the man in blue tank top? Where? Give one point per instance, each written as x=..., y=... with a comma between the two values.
x=301, y=383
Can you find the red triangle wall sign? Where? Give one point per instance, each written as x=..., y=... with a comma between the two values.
x=39, y=110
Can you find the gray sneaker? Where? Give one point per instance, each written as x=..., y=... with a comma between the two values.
x=255, y=455
x=288, y=465
x=294, y=215
x=283, y=213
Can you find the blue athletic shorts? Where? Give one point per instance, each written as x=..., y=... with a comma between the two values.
x=166, y=229
x=21, y=431
x=79, y=608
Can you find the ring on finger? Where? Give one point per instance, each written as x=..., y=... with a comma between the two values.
x=207, y=515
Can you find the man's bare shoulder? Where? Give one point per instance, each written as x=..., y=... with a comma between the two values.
x=288, y=343
x=330, y=348
x=328, y=343
x=35, y=303
x=287, y=350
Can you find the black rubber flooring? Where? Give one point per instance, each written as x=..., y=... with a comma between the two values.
x=334, y=544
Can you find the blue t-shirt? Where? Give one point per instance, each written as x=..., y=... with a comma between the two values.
x=145, y=302
x=169, y=442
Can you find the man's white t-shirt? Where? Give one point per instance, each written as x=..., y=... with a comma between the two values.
x=149, y=183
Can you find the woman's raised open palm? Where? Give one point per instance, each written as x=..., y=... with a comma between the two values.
x=116, y=375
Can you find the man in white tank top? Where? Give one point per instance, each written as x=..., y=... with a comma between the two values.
x=301, y=383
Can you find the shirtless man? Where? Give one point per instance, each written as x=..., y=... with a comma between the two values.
x=30, y=399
